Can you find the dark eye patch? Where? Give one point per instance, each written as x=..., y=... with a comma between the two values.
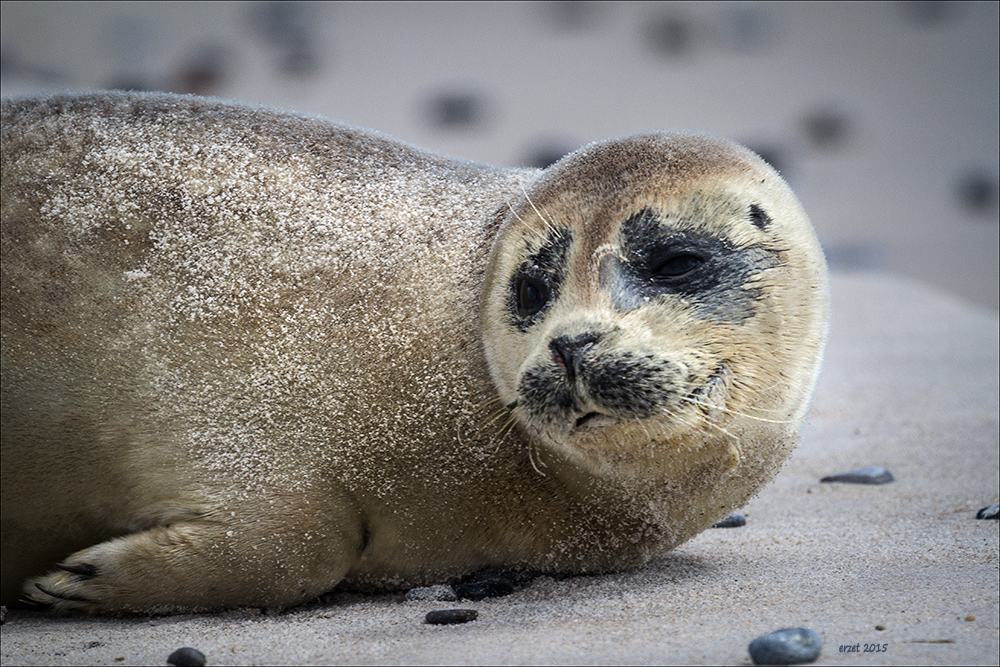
x=758, y=217
x=536, y=283
x=709, y=273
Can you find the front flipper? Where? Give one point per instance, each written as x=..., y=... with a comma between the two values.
x=272, y=561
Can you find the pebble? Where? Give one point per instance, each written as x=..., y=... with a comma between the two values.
x=187, y=657
x=734, y=520
x=485, y=585
x=866, y=475
x=990, y=512
x=788, y=646
x=436, y=593
x=827, y=127
x=450, y=616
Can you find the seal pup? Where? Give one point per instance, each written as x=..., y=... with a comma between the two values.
x=251, y=356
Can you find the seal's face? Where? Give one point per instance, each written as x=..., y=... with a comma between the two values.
x=627, y=323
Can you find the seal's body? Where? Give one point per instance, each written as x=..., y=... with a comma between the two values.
x=250, y=356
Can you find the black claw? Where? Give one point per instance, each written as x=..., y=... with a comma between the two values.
x=28, y=602
x=84, y=569
x=68, y=598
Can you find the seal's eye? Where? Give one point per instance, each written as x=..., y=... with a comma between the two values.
x=532, y=294
x=676, y=265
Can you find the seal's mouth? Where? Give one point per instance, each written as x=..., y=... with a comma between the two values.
x=594, y=420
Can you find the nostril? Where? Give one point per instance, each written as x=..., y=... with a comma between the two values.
x=568, y=350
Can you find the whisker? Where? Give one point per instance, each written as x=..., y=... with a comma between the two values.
x=490, y=418
x=531, y=458
x=549, y=225
x=502, y=434
x=541, y=237
x=710, y=406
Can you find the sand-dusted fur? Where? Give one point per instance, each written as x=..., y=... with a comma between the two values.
x=250, y=356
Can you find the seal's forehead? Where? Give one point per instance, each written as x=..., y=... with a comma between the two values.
x=665, y=158
x=603, y=183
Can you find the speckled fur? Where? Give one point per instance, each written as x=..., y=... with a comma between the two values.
x=250, y=356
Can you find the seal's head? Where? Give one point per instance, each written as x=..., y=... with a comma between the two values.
x=654, y=301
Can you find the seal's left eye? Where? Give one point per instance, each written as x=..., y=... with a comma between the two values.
x=676, y=265
x=532, y=294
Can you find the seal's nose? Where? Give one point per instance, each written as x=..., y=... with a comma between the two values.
x=567, y=351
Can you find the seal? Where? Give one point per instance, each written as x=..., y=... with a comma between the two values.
x=250, y=356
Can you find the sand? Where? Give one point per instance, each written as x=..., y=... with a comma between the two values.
x=903, y=570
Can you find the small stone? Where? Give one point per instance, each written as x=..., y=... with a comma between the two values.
x=977, y=191
x=991, y=512
x=970, y=617
x=484, y=585
x=788, y=646
x=827, y=127
x=880, y=628
x=669, y=35
x=866, y=475
x=734, y=520
x=450, y=616
x=459, y=109
x=436, y=593
x=187, y=657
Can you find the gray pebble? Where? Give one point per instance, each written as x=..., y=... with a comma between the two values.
x=734, y=520
x=187, y=657
x=487, y=584
x=788, y=646
x=866, y=475
x=991, y=512
x=450, y=616
x=437, y=593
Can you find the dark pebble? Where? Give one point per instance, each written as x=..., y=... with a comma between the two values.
x=788, y=646
x=827, y=127
x=991, y=512
x=977, y=191
x=484, y=585
x=187, y=657
x=734, y=520
x=669, y=35
x=458, y=109
x=450, y=616
x=866, y=475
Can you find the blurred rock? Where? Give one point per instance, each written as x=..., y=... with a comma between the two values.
x=827, y=127
x=458, y=109
x=977, y=191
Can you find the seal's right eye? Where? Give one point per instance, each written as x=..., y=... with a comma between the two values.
x=533, y=294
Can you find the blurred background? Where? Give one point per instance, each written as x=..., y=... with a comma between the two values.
x=883, y=117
